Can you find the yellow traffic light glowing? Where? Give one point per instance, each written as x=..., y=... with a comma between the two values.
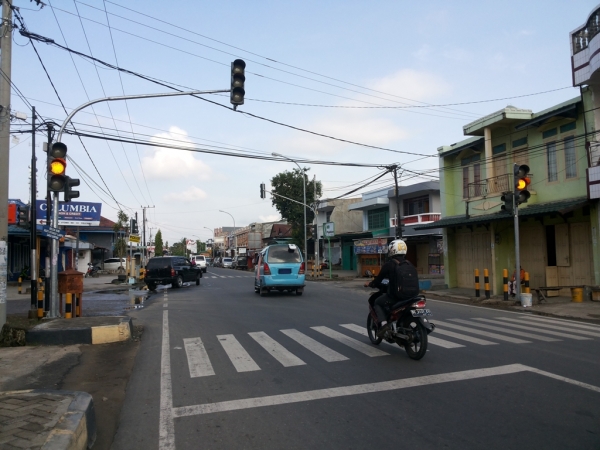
x=58, y=166
x=522, y=183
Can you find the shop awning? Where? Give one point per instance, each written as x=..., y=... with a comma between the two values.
x=540, y=209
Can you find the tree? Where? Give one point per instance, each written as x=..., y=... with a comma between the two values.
x=120, y=228
x=289, y=184
x=179, y=248
x=158, y=244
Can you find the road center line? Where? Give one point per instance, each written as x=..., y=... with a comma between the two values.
x=166, y=426
x=273, y=400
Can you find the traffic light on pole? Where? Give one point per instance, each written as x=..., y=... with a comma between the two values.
x=23, y=216
x=522, y=181
x=262, y=191
x=57, y=166
x=237, y=83
x=70, y=183
x=134, y=227
x=507, y=198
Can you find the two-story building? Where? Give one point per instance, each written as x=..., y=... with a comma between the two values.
x=555, y=225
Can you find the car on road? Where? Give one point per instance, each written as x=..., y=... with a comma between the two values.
x=174, y=270
x=117, y=264
x=280, y=267
x=226, y=263
x=240, y=262
x=209, y=262
x=200, y=261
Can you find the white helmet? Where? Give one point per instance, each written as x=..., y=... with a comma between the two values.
x=397, y=247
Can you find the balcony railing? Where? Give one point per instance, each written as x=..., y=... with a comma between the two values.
x=417, y=219
x=494, y=185
x=583, y=36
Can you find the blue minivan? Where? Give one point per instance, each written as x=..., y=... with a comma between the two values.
x=280, y=267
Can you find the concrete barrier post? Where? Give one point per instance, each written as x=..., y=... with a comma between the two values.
x=40, y=304
x=526, y=283
x=477, y=292
x=19, y=285
x=68, y=306
x=505, y=283
x=486, y=280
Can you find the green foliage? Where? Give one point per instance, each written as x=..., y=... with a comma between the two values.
x=120, y=228
x=178, y=248
x=289, y=184
x=158, y=244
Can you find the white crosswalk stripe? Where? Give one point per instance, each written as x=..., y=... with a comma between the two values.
x=366, y=349
x=565, y=327
x=198, y=361
x=506, y=330
x=528, y=328
x=463, y=337
x=496, y=336
x=276, y=350
x=560, y=322
x=431, y=339
x=239, y=357
x=316, y=347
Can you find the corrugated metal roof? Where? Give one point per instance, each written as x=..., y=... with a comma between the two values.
x=565, y=109
x=17, y=230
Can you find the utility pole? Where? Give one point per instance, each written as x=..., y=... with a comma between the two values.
x=316, y=240
x=32, y=222
x=398, y=218
x=48, y=264
x=5, y=79
x=144, y=234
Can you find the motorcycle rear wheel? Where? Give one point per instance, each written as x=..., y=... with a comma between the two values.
x=417, y=349
x=372, y=331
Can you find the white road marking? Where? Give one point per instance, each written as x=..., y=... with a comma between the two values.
x=276, y=350
x=464, y=337
x=431, y=339
x=499, y=337
x=165, y=305
x=344, y=391
x=366, y=349
x=556, y=327
x=198, y=361
x=166, y=425
x=560, y=322
x=529, y=328
x=317, y=348
x=239, y=357
x=506, y=330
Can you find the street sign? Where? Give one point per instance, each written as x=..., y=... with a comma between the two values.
x=134, y=238
x=329, y=229
x=82, y=214
x=50, y=232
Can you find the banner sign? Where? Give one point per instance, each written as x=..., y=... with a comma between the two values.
x=370, y=246
x=81, y=214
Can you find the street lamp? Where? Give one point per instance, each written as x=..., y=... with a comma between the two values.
x=235, y=245
x=304, y=202
x=213, y=241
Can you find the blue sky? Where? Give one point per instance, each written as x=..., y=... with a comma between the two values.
x=337, y=55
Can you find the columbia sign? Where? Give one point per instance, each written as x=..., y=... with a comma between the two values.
x=82, y=214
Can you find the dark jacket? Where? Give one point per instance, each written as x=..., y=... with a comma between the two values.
x=386, y=271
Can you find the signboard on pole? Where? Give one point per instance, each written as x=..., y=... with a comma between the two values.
x=81, y=214
x=134, y=238
x=50, y=232
x=190, y=244
x=329, y=229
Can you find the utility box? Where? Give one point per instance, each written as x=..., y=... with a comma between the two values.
x=71, y=282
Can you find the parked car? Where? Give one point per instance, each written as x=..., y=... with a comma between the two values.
x=217, y=262
x=209, y=262
x=174, y=270
x=280, y=267
x=227, y=262
x=240, y=262
x=115, y=264
x=200, y=261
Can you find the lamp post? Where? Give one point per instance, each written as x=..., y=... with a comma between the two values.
x=304, y=201
x=235, y=245
x=212, y=252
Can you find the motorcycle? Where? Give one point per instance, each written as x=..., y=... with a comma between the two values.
x=408, y=320
x=93, y=271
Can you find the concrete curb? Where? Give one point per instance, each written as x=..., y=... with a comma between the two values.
x=75, y=429
x=82, y=330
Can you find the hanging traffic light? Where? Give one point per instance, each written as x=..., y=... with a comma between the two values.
x=522, y=181
x=23, y=216
x=70, y=183
x=507, y=198
x=57, y=164
x=237, y=82
x=134, y=227
x=262, y=191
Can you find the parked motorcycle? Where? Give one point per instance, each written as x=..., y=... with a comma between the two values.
x=93, y=271
x=408, y=320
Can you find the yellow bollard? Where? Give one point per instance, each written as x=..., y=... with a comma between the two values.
x=486, y=281
x=19, y=285
x=505, y=283
x=69, y=306
x=526, y=284
x=477, y=283
x=40, y=304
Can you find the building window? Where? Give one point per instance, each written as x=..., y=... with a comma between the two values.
x=570, y=162
x=378, y=218
x=417, y=205
x=465, y=182
x=477, y=179
x=551, y=156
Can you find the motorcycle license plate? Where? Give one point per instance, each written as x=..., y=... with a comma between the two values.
x=420, y=312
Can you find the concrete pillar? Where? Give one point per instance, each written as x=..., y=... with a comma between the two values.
x=489, y=165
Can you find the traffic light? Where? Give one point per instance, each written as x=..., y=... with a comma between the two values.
x=237, y=82
x=134, y=227
x=522, y=181
x=507, y=198
x=70, y=183
x=262, y=191
x=57, y=164
x=23, y=216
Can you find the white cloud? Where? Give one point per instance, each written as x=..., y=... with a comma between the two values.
x=413, y=84
x=270, y=218
x=167, y=163
x=192, y=194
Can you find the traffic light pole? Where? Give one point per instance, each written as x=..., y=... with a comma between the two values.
x=33, y=219
x=517, y=286
x=53, y=313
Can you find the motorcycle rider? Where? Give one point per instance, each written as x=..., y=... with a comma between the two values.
x=396, y=251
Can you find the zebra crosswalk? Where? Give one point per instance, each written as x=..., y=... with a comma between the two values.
x=467, y=332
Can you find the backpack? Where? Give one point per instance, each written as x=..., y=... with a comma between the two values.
x=404, y=281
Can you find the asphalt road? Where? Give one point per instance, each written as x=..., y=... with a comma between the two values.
x=221, y=368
